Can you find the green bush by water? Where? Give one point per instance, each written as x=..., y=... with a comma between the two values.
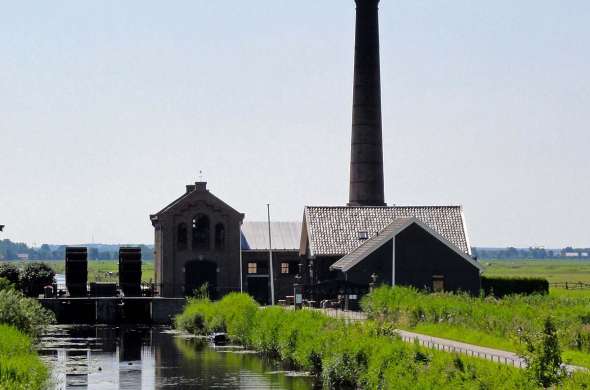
x=34, y=277
x=10, y=272
x=23, y=313
x=20, y=367
x=20, y=319
x=347, y=356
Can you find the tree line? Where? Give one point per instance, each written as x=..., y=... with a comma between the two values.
x=16, y=250
x=531, y=253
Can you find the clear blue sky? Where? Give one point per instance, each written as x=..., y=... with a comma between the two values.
x=108, y=108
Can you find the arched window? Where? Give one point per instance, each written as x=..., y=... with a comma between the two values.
x=181, y=236
x=219, y=236
x=201, y=232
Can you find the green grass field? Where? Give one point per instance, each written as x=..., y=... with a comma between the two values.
x=555, y=271
x=103, y=270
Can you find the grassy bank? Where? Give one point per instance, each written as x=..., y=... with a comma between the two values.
x=486, y=321
x=21, y=319
x=341, y=355
x=20, y=366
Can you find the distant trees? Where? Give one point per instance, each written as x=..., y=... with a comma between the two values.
x=530, y=253
x=10, y=250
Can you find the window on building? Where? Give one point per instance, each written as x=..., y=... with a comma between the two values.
x=181, y=236
x=289, y=268
x=219, y=236
x=284, y=268
x=438, y=283
x=201, y=232
x=252, y=268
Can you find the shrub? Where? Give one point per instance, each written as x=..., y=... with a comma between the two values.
x=20, y=366
x=506, y=319
x=10, y=272
x=34, y=277
x=196, y=317
x=233, y=314
x=5, y=284
x=500, y=287
x=361, y=355
x=23, y=313
x=543, y=356
x=237, y=312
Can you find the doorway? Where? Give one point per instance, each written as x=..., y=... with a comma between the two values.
x=198, y=273
x=258, y=288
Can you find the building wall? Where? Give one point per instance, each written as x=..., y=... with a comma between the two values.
x=419, y=256
x=283, y=282
x=378, y=263
x=172, y=259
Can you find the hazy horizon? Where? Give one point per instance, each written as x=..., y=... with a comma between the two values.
x=109, y=109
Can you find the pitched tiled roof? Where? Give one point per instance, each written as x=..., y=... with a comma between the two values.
x=390, y=231
x=368, y=246
x=334, y=231
x=285, y=235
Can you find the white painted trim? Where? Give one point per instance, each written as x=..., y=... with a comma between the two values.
x=393, y=261
x=465, y=231
x=305, y=239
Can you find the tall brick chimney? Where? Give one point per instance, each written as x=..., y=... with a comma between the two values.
x=366, y=162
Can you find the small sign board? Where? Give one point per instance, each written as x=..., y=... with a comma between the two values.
x=299, y=299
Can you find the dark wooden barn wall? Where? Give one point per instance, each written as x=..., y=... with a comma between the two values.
x=378, y=262
x=419, y=256
x=283, y=282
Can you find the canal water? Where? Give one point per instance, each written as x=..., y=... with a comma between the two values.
x=105, y=357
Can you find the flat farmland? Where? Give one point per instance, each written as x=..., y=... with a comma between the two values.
x=101, y=270
x=555, y=271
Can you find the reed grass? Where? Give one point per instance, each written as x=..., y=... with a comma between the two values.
x=497, y=323
x=363, y=355
x=20, y=366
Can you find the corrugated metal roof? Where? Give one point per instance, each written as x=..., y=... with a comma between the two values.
x=334, y=231
x=285, y=235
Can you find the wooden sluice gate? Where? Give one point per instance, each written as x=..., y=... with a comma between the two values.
x=114, y=310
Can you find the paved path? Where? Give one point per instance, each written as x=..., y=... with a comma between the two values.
x=495, y=355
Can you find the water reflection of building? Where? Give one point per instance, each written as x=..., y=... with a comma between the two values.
x=130, y=359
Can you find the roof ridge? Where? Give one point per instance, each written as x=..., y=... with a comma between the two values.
x=385, y=207
x=299, y=222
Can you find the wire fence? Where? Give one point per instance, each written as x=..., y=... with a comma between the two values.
x=571, y=285
x=347, y=316
x=506, y=358
x=431, y=343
